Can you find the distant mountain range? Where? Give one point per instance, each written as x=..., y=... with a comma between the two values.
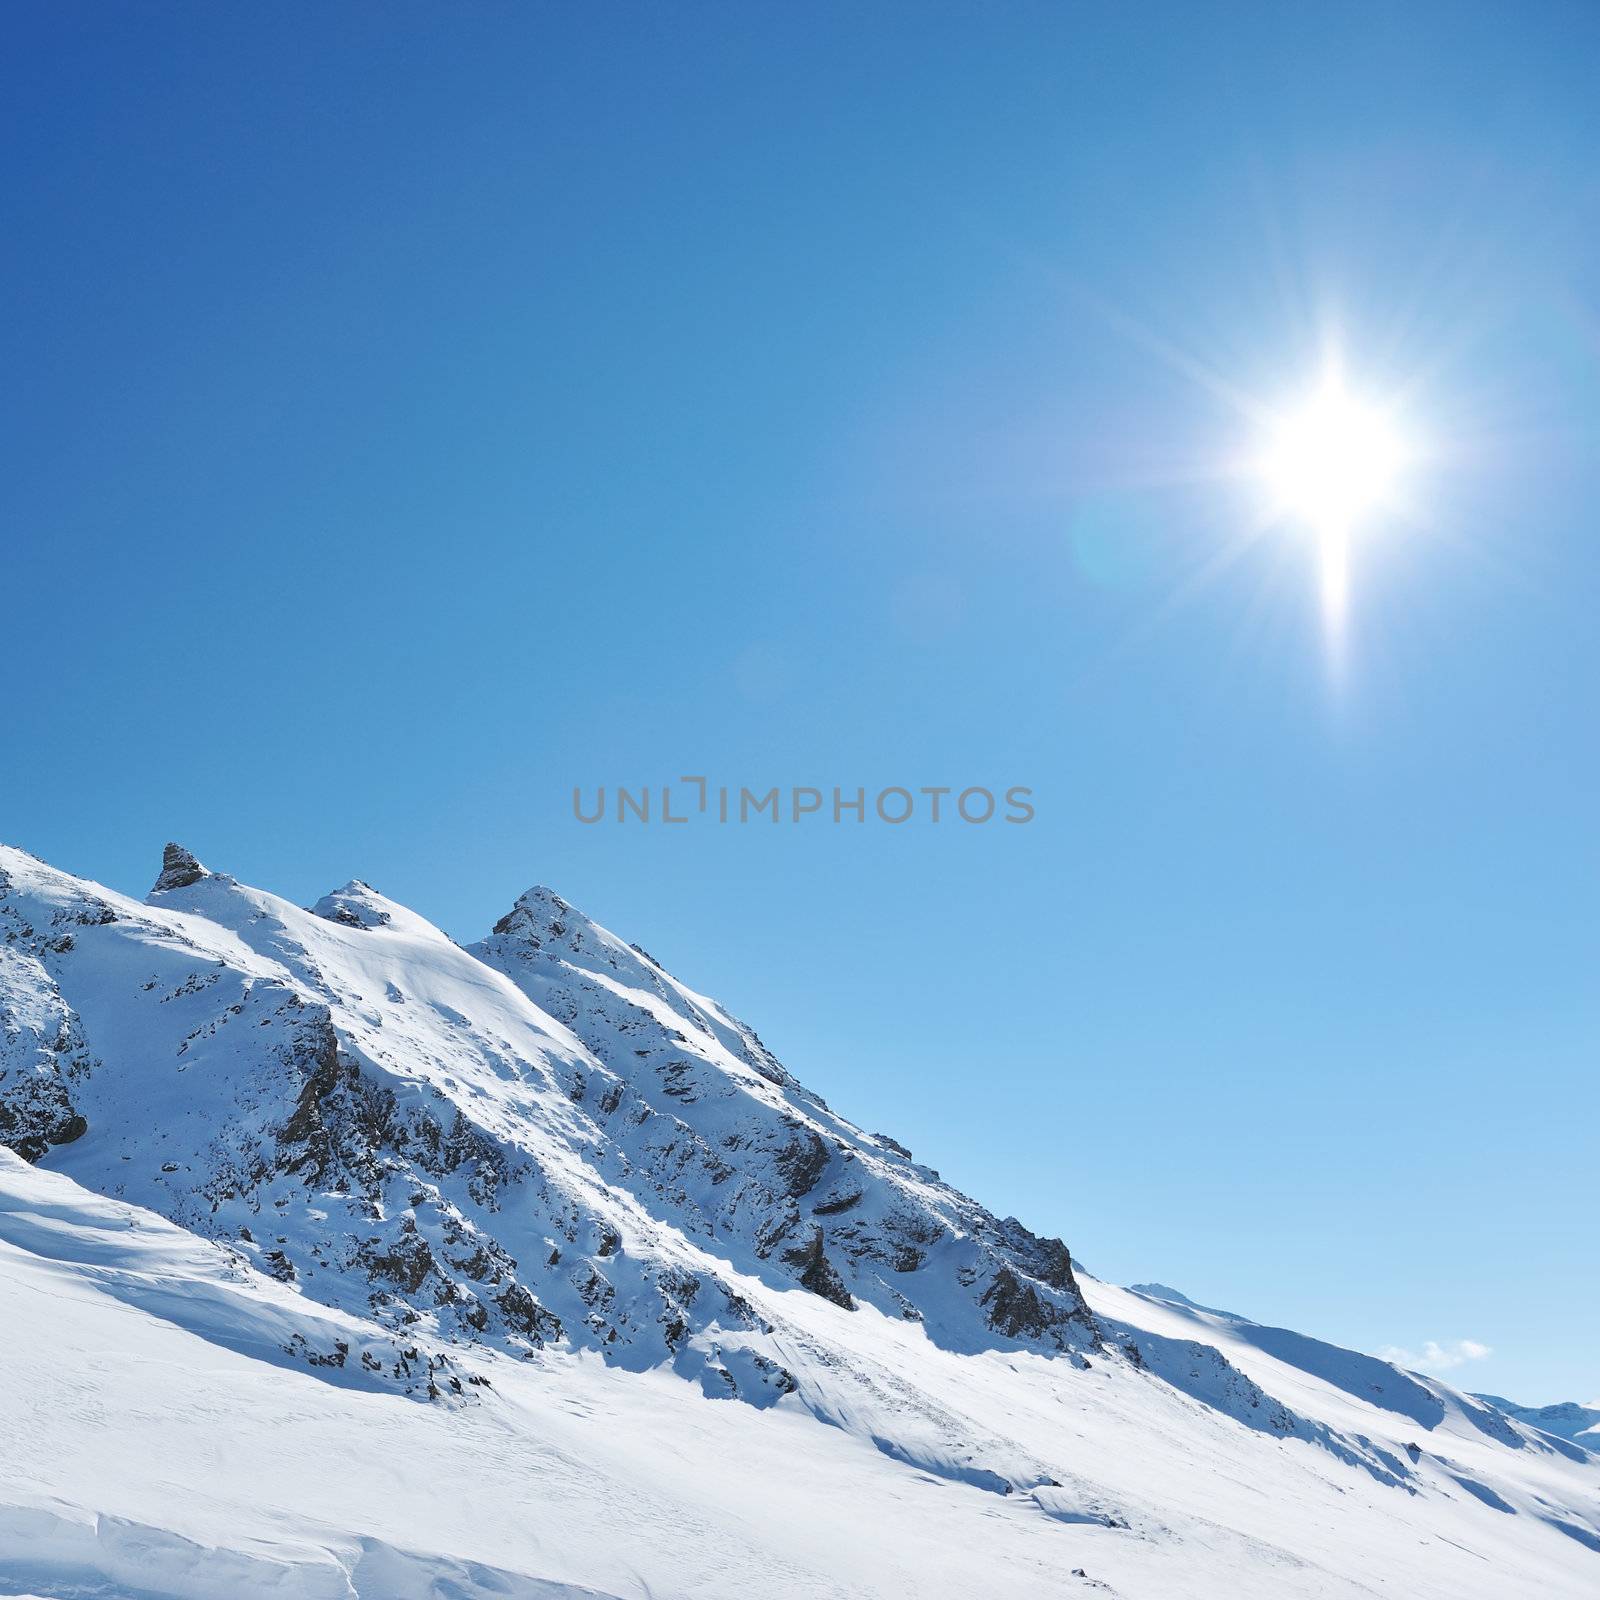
x=1566, y=1419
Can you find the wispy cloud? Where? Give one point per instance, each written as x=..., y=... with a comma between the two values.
x=1437, y=1357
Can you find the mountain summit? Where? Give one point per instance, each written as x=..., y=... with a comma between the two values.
x=178, y=870
x=471, y=1191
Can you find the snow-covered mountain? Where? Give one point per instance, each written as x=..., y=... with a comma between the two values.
x=1566, y=1418
x=341, y=1260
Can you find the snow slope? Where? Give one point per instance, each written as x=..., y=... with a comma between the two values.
x=350, y=1262
x=1566, y=1418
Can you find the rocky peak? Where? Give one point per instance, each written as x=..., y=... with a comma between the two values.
x=356, y=905
x=540, y=914
x=179, y=868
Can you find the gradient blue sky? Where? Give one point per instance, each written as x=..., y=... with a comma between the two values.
x=412, y=412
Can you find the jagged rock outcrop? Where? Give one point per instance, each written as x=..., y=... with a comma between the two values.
x=817, y=1273
x=178, y=870
x=1015, y=1308
x=43, y=1056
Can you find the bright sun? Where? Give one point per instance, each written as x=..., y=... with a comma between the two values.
x=1334, y=461
x=1332, y=465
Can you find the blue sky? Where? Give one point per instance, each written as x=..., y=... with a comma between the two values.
x=413, y=413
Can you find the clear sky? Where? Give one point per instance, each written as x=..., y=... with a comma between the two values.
x=411, y=413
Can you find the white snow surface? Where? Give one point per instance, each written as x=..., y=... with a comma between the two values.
x=348, y=1262
x=1566, y=1419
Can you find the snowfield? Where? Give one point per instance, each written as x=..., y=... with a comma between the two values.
x=339, y=1260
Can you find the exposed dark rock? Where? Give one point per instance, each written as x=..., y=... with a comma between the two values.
x=354, y=906
x=817, y=1273
x=178, y=870
x=677, y=1079
x=1015, y=1308
x=803, y=1160
x=481, y=1266
x=279, y=1266
x=1055, y=1265
x=38, y=1066
x=405, y=1261
x=1048, y=1260
x=36, y=1114
x=307, y=1140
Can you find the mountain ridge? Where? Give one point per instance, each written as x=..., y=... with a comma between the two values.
x=597, y=1087
x=409, y=1170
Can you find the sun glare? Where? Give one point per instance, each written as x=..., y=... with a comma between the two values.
x=1332, y=465
x=1334, y=461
